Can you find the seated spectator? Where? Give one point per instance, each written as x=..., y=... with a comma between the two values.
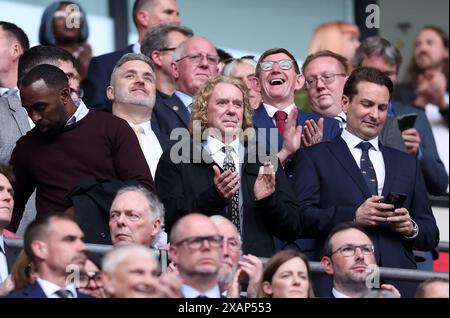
x=64, y=24
x=287, y=275
x=23, y=272
x=90, y=280
x=349, y=257
x=433, y=288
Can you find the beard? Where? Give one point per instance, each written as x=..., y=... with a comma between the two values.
x=226, y=275
x=141, y=100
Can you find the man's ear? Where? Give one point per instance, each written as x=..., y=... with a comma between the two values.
x=65, y=95
x=173, y=253
x=327, y=265
x=255, y=84
x=299, y=82
x=40, y=249
x=142, y=19
x=110, y=93
x=175, y=72
x=156, y=226
x=345, y=103
x=155, y=55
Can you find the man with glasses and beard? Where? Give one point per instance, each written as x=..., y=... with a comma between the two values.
x=68, y=144
x=349, y=258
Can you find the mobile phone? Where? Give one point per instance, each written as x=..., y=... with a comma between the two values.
x=397, y=199
x=406, y=121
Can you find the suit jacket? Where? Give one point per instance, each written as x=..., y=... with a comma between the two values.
x=262, y=120
x=189, y=187
x=171, y=113
x=435, y=175
x=11, y=255
x=163, y=139
x=391, y=136
x=99, y=76
x=330, y=187
x=36, y=291
x=13, y=125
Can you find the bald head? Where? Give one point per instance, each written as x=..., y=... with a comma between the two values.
x=193, y=224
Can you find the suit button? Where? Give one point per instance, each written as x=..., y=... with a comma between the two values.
x=103, y=235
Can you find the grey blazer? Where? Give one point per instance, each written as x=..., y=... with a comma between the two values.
x=13, y=125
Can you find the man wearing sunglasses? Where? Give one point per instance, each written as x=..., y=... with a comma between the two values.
x=349, y=258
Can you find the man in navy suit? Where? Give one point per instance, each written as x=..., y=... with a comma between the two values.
x=194, y=62
x=146, y=13
x=277, y=78
x=55, y=245
x=379, y=53
x=348, y=178
x=132, y=92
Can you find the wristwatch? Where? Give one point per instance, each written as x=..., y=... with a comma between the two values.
x=414, y=232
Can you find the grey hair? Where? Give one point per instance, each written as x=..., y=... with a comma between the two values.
x=230, y=67
x=378, y=46
x=130, y=57
x=119, y=254
x=179, y=51
x=219, y=219
x=155, y=206
x=155, y=38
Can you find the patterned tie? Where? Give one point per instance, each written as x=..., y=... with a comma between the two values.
x=233, y=207
x=190, y=107
x=63, y=293
x=9, y=92
x=367, y=169
x=280, y=119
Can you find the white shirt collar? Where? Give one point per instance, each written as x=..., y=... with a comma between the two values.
x=214, y=145
x=337, y=294
x=49, y=288
x=79, y=114
x=353, y=141
x=2, y=242
x=146, y=126
x=271, y=110
x=5, y=89
x=186, y=99
x=137, y=48
x=189, y=292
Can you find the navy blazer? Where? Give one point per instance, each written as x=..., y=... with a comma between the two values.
x=36, y=291
x=171, y=113
x=330, y=187
x=11, y=255
x=99, y=76
x=434, y=173
x=262, y=120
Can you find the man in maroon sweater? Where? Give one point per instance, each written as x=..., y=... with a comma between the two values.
x=68, y=144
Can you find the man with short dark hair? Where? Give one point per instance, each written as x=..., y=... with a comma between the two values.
x=68, y=144
x=54, y=243
x=348, y=178
x=146, y=13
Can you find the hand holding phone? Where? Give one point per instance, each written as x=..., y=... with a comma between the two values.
x=396, y=199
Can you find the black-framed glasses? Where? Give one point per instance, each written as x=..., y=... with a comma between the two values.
x=86, y=277
x=350, y=249
x=196, y=242
x=311, y=82
x=196, y=58
x=167, y=49
x=283, y=64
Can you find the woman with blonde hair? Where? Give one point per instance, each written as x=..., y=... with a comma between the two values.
x=339, y=37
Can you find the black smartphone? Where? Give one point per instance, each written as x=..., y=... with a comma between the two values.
x=397, y=199
x=406, y=121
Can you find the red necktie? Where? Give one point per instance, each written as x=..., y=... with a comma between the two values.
x=280, y=119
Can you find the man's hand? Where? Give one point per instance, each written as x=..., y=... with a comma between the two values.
x=253, y=267
x=170, y=285
x=372, y=212
x=412, y=140
x=401, y=222
x=291, y=138
x=391, y=288
x=7, y=286
x=265, y=182
x=431, y=87
x=312, y=132
x=227, y=183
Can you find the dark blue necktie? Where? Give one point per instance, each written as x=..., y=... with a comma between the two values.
x=64, y=293
x=367, y=169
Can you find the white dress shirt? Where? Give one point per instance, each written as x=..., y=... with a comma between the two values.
x=186, y=99
x=375, y=155
x=49, y=288
x=189, y=292
x=3, y=262
x=337, y=294
x=271, y=110
x=150, y=145
x=79, y=114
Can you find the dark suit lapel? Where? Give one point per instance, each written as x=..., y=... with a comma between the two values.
x=263, y=122
x=34, y=291
x=11, y=255
x=390, y=169
x=339, y=149
x=176, y=105
x=19, y=114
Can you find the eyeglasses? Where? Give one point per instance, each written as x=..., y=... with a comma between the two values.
x=168, y=49
x=283, y=64
x=326, y=79
x=129, y=215
x=197, y=58
x=196, y=242
x=86, y=277
x=350, y=249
